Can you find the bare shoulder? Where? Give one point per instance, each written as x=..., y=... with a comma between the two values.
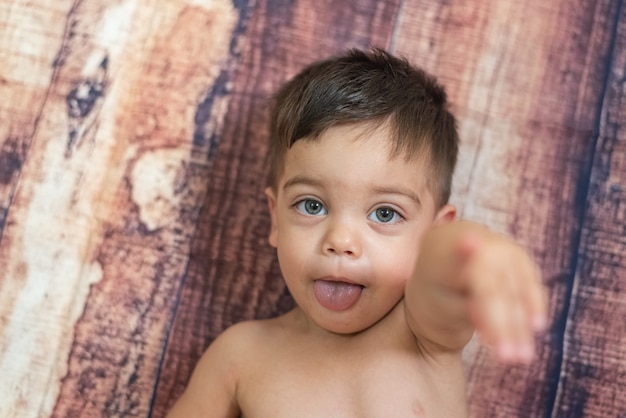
x=238, y=336
x=212, y=389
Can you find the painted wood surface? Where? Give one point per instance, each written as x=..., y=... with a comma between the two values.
x=132, y=163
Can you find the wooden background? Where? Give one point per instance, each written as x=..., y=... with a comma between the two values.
x=132, y=163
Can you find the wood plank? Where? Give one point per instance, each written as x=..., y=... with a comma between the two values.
x=98, y=231
x=233, y=275
x=30, y=36
x=525, y=79
x=185, y=67
x=594, y=361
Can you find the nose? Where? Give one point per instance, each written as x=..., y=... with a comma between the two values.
x=342, y=239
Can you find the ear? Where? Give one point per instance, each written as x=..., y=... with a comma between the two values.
x=444, y=215
x=271, y=204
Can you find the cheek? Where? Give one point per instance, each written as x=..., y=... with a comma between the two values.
x=397, y=262
x=293, y=249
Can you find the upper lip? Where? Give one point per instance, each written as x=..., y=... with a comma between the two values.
x=339, y=279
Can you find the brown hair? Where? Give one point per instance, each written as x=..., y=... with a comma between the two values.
x=369, y=87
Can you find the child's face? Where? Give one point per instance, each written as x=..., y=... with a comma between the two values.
x=347, y=222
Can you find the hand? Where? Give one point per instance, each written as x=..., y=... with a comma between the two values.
x=507, y=301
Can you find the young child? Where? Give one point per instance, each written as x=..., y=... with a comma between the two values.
x=389, y=287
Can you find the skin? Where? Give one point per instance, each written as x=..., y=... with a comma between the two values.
x=345, y=210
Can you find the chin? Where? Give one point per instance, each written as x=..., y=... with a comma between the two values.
x=338, y=327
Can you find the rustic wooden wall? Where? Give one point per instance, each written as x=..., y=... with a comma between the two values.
x=132, y=220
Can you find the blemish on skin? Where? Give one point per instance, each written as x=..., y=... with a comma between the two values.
x=417, y=409
x=155, y=182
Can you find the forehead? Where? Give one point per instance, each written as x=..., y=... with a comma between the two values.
x=349, y=156
x=364, y=140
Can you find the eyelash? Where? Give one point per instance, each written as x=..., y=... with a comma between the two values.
x=300, y=206
x=396, y=216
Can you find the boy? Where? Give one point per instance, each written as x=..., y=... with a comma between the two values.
x=389, y=287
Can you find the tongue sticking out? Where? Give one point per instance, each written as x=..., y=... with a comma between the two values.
x=336, y=296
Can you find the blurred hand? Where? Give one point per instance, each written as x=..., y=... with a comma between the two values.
x=507, y=301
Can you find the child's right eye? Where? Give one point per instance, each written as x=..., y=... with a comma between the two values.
x=311, y=207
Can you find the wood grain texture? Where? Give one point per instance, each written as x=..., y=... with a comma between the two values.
x=24, y=91
x=145, y=246
x=132, y=162
x=96, y=238
x=593, y=365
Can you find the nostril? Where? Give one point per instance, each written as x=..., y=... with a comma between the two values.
x=341, y=246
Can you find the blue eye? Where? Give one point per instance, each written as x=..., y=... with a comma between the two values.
x=385, y=215
x=311, y=207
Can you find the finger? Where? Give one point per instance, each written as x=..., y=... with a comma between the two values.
x=514, y=334
x=496, y=329
x=507, y=335
x=503, y=319
x=522, y=285
x=535, y=297
x=537, y=308
x=521, y=335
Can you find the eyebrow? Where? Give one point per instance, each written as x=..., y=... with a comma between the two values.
x=399, y=191
x=298, y=180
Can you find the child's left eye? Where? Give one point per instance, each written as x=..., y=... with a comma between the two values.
x=385, y=215
x=311, y=207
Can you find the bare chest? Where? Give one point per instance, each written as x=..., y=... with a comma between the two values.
x=371, y=384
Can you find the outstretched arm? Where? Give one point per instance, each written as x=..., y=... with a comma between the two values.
x=469, y=278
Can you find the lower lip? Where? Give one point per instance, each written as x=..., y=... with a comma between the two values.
x=336, y=295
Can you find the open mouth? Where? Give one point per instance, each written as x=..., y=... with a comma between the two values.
x=337, y=295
